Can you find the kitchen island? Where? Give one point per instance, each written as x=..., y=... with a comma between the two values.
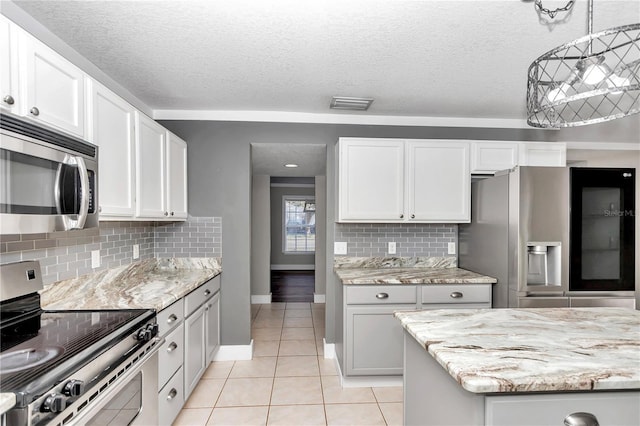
x=521, y=366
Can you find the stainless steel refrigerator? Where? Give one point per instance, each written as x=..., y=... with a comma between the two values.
x=520, y=234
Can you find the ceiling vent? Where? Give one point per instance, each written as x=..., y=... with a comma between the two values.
x=353, y=104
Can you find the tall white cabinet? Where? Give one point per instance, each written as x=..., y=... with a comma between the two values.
x=176, y=177
x=8, y=66
x=150, y=168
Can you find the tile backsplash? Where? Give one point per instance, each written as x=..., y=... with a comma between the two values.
x=412, y=240
x=67, y=254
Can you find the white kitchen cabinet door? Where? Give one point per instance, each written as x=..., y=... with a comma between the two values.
x=212, y=320
x=438, y=181
x=9, y=96
x=151, y=178
x=194, y=352
x=490, y=157
x=371, y=180
x=111, y=127
x=544, y=154
x=176, y=177
x=52, y=88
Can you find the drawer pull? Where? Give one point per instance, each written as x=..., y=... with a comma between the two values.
x=172, y=394
x=382, y=296
x=456, y=295
x=172, y=347
x=207, y=292
x=172, y=318
x=581, y=419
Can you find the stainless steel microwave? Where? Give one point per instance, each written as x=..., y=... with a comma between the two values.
x=48, y=181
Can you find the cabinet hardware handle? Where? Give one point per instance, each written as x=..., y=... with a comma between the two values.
x=172, y=394
x=99, y=209
x=401, y=216
x=207, y=292
x=456, y=295
x=166, y=213
x=413, y=216
x=171, y=213
x=8, y=100
x=172, y=347
x=382, y=296
x=172, y=318
x=34, y=111
x=581, y=419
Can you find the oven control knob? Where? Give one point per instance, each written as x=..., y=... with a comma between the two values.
x=73, y=388
x=153, y=328
x=54, y=403
x=144, y=335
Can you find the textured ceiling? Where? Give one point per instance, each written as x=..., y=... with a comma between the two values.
x=416, y=58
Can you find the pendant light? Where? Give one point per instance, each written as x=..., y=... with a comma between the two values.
x=593, y=79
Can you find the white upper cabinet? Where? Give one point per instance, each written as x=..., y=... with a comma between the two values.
x=489, y=157
x=8, y=66
x=111, y=126
x=52, y=88
x=371, y=180
x=176, y=177
x=394, y=180
x=548, y=154
x=151, y=177
x=438, y=181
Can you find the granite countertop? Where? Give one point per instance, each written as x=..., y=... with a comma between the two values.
x=7, y=401
x=532, y=350
x=428, y=270
x=148, y=284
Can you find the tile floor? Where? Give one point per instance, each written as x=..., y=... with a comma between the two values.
x=288, y=381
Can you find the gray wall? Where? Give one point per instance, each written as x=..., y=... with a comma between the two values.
x=260, y=236
x=321, y=235
x=220, y=185
x=278, y=258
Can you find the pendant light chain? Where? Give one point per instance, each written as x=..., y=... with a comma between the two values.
x=553, y=13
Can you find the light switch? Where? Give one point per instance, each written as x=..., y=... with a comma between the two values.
x=391, y=247
x=339, y=248
x=136, y=251
x=452, y=248
x=95, y=259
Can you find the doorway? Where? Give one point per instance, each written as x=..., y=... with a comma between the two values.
x=292, y=286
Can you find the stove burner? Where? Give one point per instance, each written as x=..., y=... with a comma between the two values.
x=23, y=359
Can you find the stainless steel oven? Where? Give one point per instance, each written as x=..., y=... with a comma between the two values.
x=48, y=181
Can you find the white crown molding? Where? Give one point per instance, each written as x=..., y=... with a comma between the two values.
x=604, y=146
x=321, y=118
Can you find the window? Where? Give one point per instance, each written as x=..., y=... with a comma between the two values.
x=299, y=224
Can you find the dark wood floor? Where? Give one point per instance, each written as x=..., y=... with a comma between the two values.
x=292, y=286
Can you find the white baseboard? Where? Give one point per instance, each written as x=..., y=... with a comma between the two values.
x=329, y=349
x=234, y=352
x=319, y=298
x=293, y=267
x=257, y=299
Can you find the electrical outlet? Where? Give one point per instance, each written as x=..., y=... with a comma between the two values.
x=452, y=248
x=391, y=249
x=136, y=251
x=95, y=259
x=339, y=248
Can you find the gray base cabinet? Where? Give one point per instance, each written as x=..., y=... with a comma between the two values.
x=373, y=337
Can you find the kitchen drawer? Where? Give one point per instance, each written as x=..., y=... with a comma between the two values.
x=171, y=355
x=171, y=399
x=380, y=294
x=456, y=293
x=169, y=317
x=198, y=296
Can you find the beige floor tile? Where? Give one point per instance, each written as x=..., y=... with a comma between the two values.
x=297, y=366
x=265, y=347
x=288, y=415
x=388, y=394
x=319, y=347
x=306, y=333
x=192, y=417
x=298, y=305
x=218, y=369
x=245, y=392
x=271, y=314
x=267, y=323
x=354, y=414
x=239, y=416
x=392, y=412
x=296, y=390
x=334, y=393
x=297, y=313
x=297, y=347
x=257, y=367
x=297, y=322
x=327, y=366
x=266, y=333
x=205, y=394
x=275, y=306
